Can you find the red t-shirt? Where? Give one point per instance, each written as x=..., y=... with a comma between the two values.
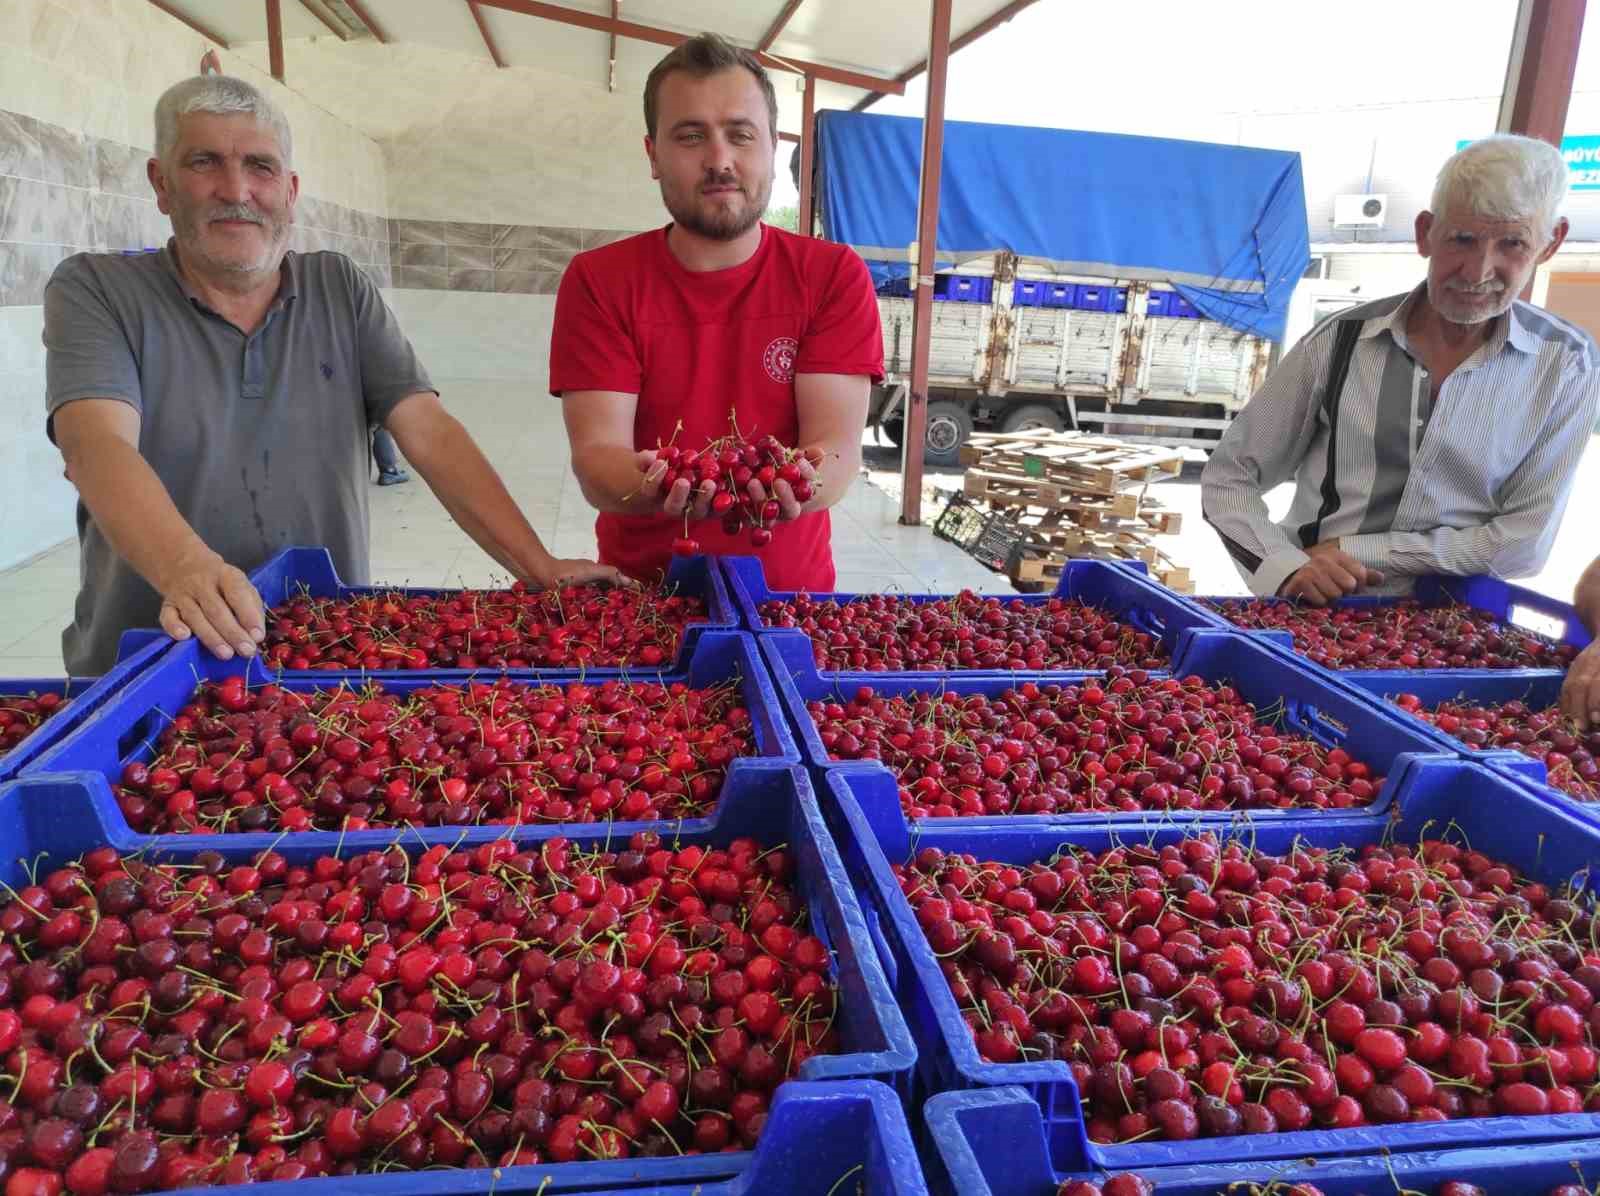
x=699, y=347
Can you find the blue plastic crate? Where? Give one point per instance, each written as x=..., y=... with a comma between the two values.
x=297, y=571
x=126, y=729
x=1180, y=308
x=1331, y=714
x=1059, y=294
x=1126, y=592
x=53, y=819
x=88, y=695
x=1436, y=797
x=1092, y=297
x=1159, y=303
x=1027, y=292
x=991, y=1142
x=1116, y=300
x=1501, y=600
x=1539, y=692
x=963, y=288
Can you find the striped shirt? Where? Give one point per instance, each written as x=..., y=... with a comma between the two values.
x=1474, y=482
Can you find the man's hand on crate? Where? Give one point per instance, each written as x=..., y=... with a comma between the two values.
x=204, y=596
x=1580, y=695
x=1331, y=573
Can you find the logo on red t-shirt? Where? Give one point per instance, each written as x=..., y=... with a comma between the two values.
x=779, y=359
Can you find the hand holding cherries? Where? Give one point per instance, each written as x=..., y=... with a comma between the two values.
x=743, y=483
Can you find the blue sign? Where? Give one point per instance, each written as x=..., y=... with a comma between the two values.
x=1583, y=161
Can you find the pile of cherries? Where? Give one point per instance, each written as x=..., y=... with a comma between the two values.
x=882, y=632
x=22, y=714
x=732, y=463
x=1128, y=743
x=569, y=627
x=271, y=758
x=1546, y=734
x=1203, y=989
x=1398, y=635
x=166, y=1026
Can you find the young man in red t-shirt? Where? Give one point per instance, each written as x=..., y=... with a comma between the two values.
x=715, y=316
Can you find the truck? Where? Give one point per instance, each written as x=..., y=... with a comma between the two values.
x=1136, y=286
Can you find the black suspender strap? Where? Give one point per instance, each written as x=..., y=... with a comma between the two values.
x=1344, y=347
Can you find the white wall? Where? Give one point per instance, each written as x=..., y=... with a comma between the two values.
x=98, y=67
x=36, y=502
x=462, y=141
x=466, y=334
x=91, y=70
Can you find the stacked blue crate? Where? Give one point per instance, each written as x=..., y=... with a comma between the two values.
x=1537, y=689
x=992, y=1142
x=963, y=288
x=310, y=572
x=840, y=1120
x=1028, y=292
x=1502, y=601
x=126, y=729
x=1121, y=589
x=86, y=695
x=1437, y=797
x=1304, y=705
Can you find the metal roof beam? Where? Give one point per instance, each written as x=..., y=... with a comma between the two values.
x=483, y=30
x=987, y=25
x=172, y=12
x=771, y=35
x=372, y=26
x=334, y=27
x=666, y=37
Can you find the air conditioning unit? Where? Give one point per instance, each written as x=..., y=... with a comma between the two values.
x=1360, y=211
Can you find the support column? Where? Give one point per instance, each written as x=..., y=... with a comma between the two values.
x=807, y=222
x=1539, y=77
x=275, y=38
x=916, y=418
x=1542, y=66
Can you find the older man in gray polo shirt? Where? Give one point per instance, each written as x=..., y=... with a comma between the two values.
x=212, y=401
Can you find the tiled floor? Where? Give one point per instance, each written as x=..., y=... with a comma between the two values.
x=415, y=542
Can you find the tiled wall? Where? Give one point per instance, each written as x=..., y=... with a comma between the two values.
x=508, y=259
x=63, y=192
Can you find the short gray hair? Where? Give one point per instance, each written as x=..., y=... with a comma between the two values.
x=218, y=95
x=1504, y=177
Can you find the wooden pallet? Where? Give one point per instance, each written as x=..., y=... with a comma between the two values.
x=1071, y=494
x=1004, y=489
x=1084, y=463
x=1150, y=520
x=1030, y=570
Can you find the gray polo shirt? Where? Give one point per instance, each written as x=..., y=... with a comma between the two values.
x=261, y=440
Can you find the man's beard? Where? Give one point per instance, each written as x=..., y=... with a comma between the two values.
x=1455, y=306
x=721, y=223
x=189, y=225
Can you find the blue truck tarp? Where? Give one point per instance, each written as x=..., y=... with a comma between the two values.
x=1224, y=225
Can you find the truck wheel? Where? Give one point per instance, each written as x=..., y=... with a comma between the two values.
x=893, y=430
x=1032, y=417
x=949, y=427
